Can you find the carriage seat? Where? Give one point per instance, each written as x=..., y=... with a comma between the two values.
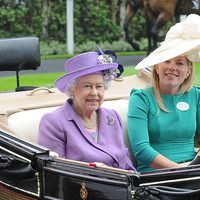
x=20, y=112
x=25, y=124
x=19, y=54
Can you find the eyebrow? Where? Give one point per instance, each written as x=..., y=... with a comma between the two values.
x=182, y=60
x=91, y=83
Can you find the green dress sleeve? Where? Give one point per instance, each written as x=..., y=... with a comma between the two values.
x=137, y=122
x=198, y=114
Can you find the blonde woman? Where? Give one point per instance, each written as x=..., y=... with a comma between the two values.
x=163, y=119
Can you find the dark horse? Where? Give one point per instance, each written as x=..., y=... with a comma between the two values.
x=157, y=13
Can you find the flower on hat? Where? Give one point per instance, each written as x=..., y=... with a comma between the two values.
x=105, y=58
x=109, y=56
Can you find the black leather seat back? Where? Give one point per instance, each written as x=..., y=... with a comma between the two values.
x=19, y=54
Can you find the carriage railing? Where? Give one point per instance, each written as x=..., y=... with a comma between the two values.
x=21, y=164
x=26, y=149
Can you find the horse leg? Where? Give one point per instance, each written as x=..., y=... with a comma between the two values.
x=154, y=33
x=149, y=36
x=150, y=48
x=159, y=23
x=129, y=15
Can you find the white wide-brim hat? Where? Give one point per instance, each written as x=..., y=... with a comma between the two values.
x=182, y=39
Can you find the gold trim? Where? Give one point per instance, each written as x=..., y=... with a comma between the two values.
x=83, y=192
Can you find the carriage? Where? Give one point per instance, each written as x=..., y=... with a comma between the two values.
x=29, y=171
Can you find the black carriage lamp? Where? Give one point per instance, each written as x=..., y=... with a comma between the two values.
x=18, y=54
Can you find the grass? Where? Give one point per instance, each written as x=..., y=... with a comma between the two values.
x=47, y=79
x=41, y=80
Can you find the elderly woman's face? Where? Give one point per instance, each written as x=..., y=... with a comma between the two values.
x=89, y=92
x=172, y=73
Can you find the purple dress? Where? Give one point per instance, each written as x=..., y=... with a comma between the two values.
x=62, y=132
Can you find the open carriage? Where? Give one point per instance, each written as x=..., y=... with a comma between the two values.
x=29, y=171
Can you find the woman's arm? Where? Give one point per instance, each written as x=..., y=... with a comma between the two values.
x=51, y=134
x=162, y=162
x=137, y=124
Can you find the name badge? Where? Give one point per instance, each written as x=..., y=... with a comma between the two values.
x=183, y=106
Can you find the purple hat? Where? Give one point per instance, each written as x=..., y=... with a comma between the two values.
x=84, y=64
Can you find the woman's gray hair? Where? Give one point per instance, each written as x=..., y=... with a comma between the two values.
x=70, y=87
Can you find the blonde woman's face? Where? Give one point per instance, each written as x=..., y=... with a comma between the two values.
x=172, y=74
x=89, y=93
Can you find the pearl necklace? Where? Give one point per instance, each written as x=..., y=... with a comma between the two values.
x=92, y=124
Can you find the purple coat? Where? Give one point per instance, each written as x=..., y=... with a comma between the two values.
x=62, y=132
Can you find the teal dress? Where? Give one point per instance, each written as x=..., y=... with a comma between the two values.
x=152, y=131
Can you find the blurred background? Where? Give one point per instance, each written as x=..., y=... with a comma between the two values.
x=81, y=25
x=95, y=21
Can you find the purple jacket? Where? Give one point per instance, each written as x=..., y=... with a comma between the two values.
x=62, y=131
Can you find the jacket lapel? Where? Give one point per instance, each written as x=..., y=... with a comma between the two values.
x=103, y=128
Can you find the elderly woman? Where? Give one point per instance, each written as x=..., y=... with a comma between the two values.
x=81, y=129
x=163, y=119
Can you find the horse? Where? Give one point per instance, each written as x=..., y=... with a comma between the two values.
x=156, y=14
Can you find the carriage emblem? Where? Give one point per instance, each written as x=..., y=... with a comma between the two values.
x=83, y=191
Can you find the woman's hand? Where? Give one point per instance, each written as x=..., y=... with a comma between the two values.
x=161, y=162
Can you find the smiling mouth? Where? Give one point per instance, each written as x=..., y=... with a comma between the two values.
x=92, y=100
x=169, y=74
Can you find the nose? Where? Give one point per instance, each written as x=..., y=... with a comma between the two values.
x=93, y=91
x=172, y=66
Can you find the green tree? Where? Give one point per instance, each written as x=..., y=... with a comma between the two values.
x=94, y=22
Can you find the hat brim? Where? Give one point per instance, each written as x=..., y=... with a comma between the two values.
x=168, y=51
x=62, y=82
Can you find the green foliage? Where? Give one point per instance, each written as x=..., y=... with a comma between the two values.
x=57, y=20
x=52, y=48
x=119, y=45
x=16, y=18
x=87, y=46
x=59, y=48
x=144, y=44
x=93, y=22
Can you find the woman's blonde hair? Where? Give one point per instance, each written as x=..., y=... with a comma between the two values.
x=185, y=86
